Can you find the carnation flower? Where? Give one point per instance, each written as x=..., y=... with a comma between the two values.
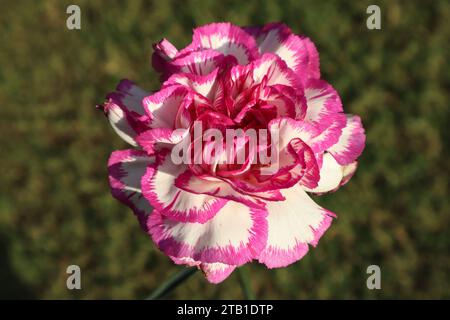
x=211, y=210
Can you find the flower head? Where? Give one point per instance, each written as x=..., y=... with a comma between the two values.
x=240, y=131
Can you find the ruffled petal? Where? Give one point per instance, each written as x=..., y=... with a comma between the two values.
x=196, y=62
x=235, y=235
x=158, y=186
x=293, y=225
x=274, y=70
x=330, y=135
x=120, y=122
x=299, y=53
x=163, y=106
x=125, y=111
x=324, y=111
x=286, y=101
x=130, y=96
x=150, y=139
x=351, y=143
x=163, y=53
x=307, y=168
x=227, y=39
x=203, y=85
x=331, y=174
x=126, y=167
x=322, y=102
x=214, y=272
x=217, y=188
x=287, y=129
x=165, y=49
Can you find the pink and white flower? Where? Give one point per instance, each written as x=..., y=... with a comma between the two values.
x=220, y=215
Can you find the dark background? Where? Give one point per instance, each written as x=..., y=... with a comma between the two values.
x=55, y=205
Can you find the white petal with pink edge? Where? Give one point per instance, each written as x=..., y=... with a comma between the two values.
x=126, y=167
x=322, y=101
x=234, y=236
x=196, y=62
x=120, y=123
x=331, y=175
x=275, y=70
x=163, y=53
x=162, y=106
x=330, y=135
x=292, y=225
x=299, y=53
x=227, y=39
x=287, y=129
x=165, y=49
x=123, y=109
x=158, y=186
x=132, y=96
x=214, y=272
x=324, y=113
x=164, y=137
x=313, y=59
x=351, y=143
x=203, y=85
x=215, y=187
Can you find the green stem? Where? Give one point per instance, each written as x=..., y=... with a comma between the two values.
x=172, y=283
x=245, y=284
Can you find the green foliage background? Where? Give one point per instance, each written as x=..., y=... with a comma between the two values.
x=55, y=205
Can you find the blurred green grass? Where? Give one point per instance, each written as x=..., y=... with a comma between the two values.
x=55, y=205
